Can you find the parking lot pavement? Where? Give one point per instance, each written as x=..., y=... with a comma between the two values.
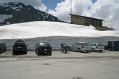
x=59, y=54
x=73, y=65
x=104, y=65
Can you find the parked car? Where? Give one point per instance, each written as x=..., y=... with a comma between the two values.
x=113, y=45
x=2, y=47
x=43, y=48
x=19, y=47
x=81, y=47
x=97, y=47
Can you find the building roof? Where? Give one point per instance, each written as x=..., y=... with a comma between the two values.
x=86, y=17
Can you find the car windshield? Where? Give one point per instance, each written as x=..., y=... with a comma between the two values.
x=19, y=43
x=86, y=44
x=20, y=40
x=100, y=44
x=45, y=44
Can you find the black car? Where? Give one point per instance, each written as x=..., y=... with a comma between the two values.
x=43, y=48
x=2, y=47
x=19, y=47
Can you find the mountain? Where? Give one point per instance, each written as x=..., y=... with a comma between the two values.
x=16, y=12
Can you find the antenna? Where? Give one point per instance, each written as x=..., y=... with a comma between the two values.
x=71, y=5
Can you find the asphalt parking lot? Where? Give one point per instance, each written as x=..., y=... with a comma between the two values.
x=73, y=65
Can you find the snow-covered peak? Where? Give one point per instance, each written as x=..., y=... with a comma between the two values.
x=12, y=5
x=22, y=13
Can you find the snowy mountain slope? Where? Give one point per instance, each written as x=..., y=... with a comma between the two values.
x=16, y=12
x=48, y=29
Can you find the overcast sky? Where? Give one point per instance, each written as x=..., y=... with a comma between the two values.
x=107, y=10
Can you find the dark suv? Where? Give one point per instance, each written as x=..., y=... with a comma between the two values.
x=113, y=45
x=43, y=48
x=2, y=47
x=19, y=47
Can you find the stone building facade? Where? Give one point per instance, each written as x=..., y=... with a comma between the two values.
x=83, y=20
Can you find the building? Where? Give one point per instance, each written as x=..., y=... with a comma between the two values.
x=83, y=20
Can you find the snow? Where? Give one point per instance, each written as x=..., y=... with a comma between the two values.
x=6, y=5
x=53, y=18
x=18, y=8
x=2, y=4
x=39, y=18
x=48, y=29
x=14, y=7
x=46, y=15
x=54, y=32
x=3, y=17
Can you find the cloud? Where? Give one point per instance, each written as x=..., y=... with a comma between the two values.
x=35, y=3
x=107, y=10
x=102, y=9
x=63, y=9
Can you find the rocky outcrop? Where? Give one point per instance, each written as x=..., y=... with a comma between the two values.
x=16, y=12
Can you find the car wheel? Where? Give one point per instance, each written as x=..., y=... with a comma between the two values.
x=50, y=53
x=100, y=50
x=25, y=52
x=87, y=51
x=5, y=50
x=0, y=51
x=65, y=51
x=13, y=53
x=78, y=50
x=70, y=49
x=92, y=50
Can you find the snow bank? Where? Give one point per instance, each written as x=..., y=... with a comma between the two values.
x=48, y=29
x=56, y=41
x=54, y=32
